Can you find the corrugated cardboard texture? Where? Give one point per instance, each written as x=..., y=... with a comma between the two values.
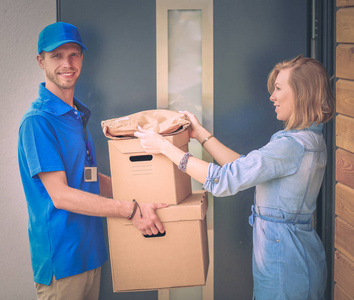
x=178, y=259
x=194, y=207
x=147, y=178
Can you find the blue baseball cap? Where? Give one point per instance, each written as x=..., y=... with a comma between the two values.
x=57, y=34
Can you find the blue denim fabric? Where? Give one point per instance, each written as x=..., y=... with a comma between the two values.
x=288, y=256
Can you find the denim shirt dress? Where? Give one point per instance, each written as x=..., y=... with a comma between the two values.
x=288, y=256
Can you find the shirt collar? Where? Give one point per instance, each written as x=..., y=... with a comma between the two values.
x=59, y=107
x=316, y=128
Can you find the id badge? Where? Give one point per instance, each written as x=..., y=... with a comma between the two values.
x=90, y=174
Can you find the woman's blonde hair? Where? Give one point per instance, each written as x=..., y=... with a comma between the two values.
x=314, y=100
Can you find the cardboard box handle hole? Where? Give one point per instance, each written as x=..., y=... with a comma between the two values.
x=138, y=158
x=155, y=235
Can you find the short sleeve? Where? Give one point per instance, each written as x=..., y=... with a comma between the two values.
x=280, y=157
x=40, y=147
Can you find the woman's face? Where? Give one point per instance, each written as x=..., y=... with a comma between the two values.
x=283, y=96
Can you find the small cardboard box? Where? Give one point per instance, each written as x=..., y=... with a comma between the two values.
x=180, y=258
x=148, y=177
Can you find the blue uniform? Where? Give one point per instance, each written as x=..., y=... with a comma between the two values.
x=288, y=256
x=52, y=138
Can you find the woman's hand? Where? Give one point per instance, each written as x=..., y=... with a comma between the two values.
x=195, y=124
x=151, y=141
x=154, y=143
x=196, y=130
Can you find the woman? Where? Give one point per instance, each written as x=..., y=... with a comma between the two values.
x=288, y=256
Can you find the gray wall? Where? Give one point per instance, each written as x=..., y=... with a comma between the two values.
x=20, y=23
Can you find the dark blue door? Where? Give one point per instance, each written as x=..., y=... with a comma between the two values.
x=249, y=38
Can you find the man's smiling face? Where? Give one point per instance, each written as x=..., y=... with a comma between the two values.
x=62, y=66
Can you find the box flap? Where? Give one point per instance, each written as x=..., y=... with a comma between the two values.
x=132, y=145
x=193, y=207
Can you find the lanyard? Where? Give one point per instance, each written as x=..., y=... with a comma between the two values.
x=88, y=146
x=87, y=143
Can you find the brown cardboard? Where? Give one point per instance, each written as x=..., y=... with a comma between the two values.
x=147, y=178
x=178, y=259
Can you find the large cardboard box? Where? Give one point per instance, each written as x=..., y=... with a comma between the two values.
x=147, y=178
x=180, y=258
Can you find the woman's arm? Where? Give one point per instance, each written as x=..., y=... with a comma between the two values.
x=215, y=148
x=196, y=168
x=154, y=143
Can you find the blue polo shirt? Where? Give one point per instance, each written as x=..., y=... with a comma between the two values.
x=52, y=138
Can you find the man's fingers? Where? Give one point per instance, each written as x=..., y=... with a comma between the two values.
x=159, y=227
x=154, y=230
x=158, y=223
x=160, y=205
x=150, y=223
x=148, y=231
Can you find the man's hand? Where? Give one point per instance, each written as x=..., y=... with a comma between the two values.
x=149, y=223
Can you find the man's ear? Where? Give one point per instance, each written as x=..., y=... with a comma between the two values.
x=40, y=61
